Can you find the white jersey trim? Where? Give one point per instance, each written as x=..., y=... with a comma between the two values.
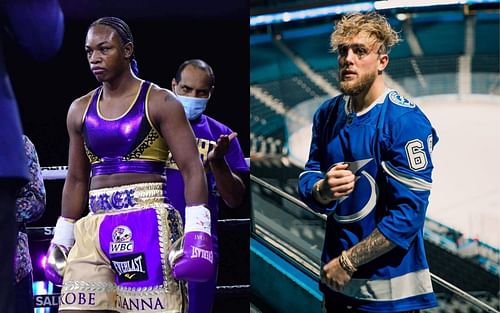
x=307, y=172
x=397, y=288
x=379, y=100
x=411, y=182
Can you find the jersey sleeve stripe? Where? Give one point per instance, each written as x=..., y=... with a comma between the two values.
x=413, y=183
x=307, y=172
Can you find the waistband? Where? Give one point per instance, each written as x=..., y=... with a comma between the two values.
x=130, y=166
x=127, y=197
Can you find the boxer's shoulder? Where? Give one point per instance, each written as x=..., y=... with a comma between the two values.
x=83, y=101
x=158, y=95
x=79, y=106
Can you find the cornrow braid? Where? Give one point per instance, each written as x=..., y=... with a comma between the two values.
x=123, y=30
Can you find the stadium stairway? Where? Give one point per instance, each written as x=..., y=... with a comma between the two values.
x=460, y=272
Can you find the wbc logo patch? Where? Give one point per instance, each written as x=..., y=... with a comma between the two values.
x=122, y=240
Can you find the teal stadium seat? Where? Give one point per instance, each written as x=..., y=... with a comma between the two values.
x=313, y=45
x=440, y=34
x=401, y=49
x=487, y=34
x=264, y=121
x=292, y=91
x=268, y=63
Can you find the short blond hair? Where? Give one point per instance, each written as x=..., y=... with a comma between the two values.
x=372, y=23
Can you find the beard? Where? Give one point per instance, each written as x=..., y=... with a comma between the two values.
x=355, y=87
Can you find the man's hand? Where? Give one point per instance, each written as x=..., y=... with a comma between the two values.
x=338, y=183
x=334, y=276
x=221, y=147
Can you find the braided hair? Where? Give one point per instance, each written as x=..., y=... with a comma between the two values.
x=122, y=29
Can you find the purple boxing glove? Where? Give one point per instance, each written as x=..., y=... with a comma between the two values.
x=194, y=260
x=58, y=251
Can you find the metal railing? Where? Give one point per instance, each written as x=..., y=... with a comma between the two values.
x=438, y=280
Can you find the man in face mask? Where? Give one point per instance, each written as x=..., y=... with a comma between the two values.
x=221, y=155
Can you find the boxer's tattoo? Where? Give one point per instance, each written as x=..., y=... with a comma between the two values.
x=168, y=97
x=370, y=248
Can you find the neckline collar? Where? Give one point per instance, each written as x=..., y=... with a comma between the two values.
x=380, y=99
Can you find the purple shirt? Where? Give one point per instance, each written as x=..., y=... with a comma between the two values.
x=207, y=131
x=126, y=144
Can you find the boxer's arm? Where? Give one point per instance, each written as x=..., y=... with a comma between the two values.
x=194, y=262
x=168, y=115
x=74, y=196
x=76, y=185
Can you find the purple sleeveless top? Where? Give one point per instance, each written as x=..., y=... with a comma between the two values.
x=127, y=144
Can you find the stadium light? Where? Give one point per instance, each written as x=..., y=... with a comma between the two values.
x=289, y=16
x=394, y=4
x=402, y=17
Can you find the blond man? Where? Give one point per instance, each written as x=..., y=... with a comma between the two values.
x=369, y=169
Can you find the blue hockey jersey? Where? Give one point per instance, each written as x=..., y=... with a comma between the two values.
x=388, y=148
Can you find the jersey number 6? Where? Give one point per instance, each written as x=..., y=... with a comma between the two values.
x=415, y=153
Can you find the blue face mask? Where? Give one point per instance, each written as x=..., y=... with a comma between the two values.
x=193, y=106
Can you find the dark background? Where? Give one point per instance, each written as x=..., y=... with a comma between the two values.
x=166, y=33
x=164, y=37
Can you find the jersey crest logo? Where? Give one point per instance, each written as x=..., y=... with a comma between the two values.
x=356, y=167
x=400, y=100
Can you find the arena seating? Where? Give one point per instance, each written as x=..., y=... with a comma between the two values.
x=437, y=71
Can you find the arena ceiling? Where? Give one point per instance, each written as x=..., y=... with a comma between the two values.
x=90, y=9
x=272, y=6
